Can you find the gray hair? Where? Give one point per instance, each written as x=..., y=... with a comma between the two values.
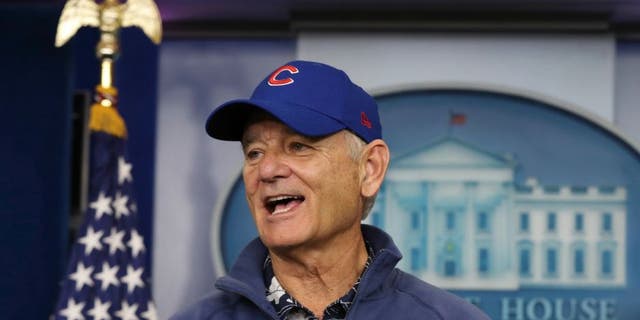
x=356, y=145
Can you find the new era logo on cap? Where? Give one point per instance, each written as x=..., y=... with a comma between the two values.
x=322, y=101
x=364, y=120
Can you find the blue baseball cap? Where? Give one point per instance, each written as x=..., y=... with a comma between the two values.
x=312, y=98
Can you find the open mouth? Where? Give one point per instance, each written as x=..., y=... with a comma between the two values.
x=282, y=204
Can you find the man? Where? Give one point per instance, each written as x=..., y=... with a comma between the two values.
x=314, y=160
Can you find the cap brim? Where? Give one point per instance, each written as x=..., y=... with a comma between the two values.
x=227, y=122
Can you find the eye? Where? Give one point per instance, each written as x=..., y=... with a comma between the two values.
x=297, y=146
x=252, y=154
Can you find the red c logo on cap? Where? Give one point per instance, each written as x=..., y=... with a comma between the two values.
x=281, y=82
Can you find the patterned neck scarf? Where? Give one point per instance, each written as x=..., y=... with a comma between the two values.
x=288, y=308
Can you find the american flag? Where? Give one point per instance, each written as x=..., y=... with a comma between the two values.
x=107, y=277
x=457, y=118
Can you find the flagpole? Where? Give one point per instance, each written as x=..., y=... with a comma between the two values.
x=104, y=115
x=108, y=48
x=106, y=74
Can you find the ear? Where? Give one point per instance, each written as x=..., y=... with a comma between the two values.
x=375, y=160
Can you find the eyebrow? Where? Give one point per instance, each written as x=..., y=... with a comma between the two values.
x=247, y=140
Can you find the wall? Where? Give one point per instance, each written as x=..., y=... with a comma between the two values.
x=574, y=70
x=627, y=82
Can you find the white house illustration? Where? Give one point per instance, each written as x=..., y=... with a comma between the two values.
x=462, y=223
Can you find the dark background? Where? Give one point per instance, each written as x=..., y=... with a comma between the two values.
x=37, y=87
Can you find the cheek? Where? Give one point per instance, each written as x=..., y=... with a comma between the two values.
x=250, y=188
x=348, y=174
x=250, y=183
x=341, y=183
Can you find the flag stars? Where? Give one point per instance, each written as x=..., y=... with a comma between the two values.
x=151, y=313
x=114, y=241
x=124, y=171
x=102, y=205
x=82, y=276
x=133, y=278
x=120, y=205
x=73, y=311
x=136, y=243
x=100, y=310
x=107, y=276
x=91, y=240
x=127, y=311
x=134, y=207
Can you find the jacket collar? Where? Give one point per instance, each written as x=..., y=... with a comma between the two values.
x=245, y=277
x=386, y=257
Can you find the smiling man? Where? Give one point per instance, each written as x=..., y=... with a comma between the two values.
x=314, y=160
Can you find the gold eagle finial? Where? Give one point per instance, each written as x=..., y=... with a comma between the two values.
x=109, y=16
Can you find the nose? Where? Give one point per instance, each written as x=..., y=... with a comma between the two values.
x=272, y=167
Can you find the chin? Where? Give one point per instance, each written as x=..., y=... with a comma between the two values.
x=276, y=242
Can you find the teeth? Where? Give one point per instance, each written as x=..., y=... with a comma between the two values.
x=280, y=204
x=282, y=210
x=280, y=198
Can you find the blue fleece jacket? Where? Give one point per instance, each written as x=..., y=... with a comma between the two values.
x=385, y=292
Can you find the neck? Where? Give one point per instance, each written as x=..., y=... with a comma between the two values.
x=318, y=276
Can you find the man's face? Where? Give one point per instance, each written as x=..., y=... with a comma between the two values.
x=301, y=190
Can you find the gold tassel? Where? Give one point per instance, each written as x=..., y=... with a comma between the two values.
x=104, y=115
